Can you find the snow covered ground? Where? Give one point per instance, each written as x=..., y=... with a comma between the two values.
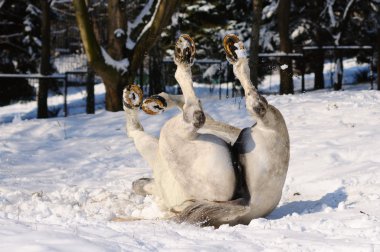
x=63, y=179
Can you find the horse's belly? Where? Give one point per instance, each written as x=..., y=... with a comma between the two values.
x=212, y=170
x=199, y=169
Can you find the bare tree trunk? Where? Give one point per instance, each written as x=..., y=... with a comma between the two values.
x=42, y=111
x=155, y=76
x=141, y=75
x=113, y=96
x=90, y=100
x=319, y=60
x=341, y=28
x=255, y=37
x=113, y=79
x=147, y=40
x=286, y=73
x=117, y=26
x=94, y=22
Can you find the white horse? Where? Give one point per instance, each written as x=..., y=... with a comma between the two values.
x=206, y=171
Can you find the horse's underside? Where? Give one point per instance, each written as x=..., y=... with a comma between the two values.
x=205, y=171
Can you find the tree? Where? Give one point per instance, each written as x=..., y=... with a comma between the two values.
x=337, y=16
x=364, y=27
x=286, y=73
x=45, y=67
x=308, y=29
x=20, y=45
x=255, y=41
x=20, y=33
x=118, y=64
x=155, y=67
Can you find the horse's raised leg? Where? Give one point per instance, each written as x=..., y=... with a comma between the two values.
x=263, y=149
x=256, y=104
x=146, y=144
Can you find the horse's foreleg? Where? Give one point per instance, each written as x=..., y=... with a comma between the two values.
x=157, y=104
x=146, y=144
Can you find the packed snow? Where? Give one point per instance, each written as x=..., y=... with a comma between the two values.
x=62, y=180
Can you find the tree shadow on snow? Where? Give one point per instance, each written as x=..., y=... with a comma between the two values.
x=310, y=206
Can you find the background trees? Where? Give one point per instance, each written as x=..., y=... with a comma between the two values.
x=127, y=43
x=45, y=67
x=286, y=70
x=119, y=34
x=19, y=46
x=255, y=41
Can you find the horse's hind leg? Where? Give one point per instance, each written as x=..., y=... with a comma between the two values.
x=157, y=104
x=146, y=144
x=256, y=104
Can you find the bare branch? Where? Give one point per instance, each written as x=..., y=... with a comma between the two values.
x=90, y=44
x=349, y=5
x=7, y=36
x=140, y=17
x=161, y=16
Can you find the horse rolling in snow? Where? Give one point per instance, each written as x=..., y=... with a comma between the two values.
x=205, y=171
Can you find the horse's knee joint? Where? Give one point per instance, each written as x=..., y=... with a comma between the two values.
x=199, y=119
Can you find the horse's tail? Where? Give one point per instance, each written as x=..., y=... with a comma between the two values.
x=207, y=213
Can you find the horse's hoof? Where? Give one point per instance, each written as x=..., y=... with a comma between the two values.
x=154, y=105
x=184, y=51
x=234, y=48
x=132, y=97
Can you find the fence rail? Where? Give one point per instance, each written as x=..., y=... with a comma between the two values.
x=64, y=78
x=222, y=74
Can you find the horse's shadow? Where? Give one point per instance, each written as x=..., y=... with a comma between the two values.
x=331, y=200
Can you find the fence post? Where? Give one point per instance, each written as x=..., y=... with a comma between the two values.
x=220, y=83
x=90, y=100
x=371, y=69
x=303, y=72
x=65, y=95
x=42, y=110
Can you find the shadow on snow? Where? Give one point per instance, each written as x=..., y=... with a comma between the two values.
x=331, y=200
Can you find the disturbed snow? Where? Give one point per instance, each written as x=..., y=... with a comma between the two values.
x=63, y=179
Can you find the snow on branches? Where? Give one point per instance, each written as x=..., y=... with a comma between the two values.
x=120, y=65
